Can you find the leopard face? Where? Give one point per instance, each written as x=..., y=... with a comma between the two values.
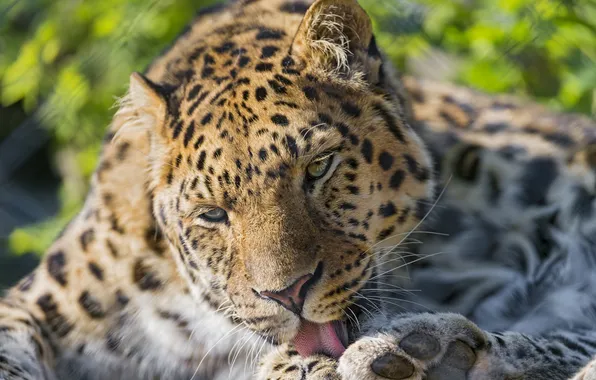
x=280, y=153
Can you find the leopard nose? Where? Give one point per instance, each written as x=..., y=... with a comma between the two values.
x=292, y=297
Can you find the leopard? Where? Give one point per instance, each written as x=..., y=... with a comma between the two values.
x=250, y=188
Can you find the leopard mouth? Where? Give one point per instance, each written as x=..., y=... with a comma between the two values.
x=329, y=338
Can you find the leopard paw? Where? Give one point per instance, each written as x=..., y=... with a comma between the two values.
x=588, y=372
x=423, y=346
x=285, y=363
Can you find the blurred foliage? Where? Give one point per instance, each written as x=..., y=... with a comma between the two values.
x=65, y=62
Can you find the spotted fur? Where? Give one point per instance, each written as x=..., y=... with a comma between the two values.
x=140, y=285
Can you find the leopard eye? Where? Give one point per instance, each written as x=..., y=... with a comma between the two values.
x=216, y=215
x=318, y=168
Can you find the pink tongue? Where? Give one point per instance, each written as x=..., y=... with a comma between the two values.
x=315, y=338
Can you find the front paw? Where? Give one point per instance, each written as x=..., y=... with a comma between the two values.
x=285, y=363
x=415, y=347
x=588, y=372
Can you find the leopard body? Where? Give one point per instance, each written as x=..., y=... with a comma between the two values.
x=140, y=285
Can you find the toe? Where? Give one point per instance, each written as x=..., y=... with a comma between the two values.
x=391, y=366
x=420, y=346
x=458, y=359
x=459, y=355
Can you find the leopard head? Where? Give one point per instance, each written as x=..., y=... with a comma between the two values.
x=281, y=159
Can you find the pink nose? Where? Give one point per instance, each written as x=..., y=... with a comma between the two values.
x=292, y=297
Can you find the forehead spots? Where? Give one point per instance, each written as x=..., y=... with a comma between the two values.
x=263, y=67
x=261, y=93
x=269, y=51
x=279, y=119
x=269, y=34
x=298, y=7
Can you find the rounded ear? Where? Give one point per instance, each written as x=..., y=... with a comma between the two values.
x=337, y=35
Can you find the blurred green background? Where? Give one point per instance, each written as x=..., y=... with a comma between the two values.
x=63, y=62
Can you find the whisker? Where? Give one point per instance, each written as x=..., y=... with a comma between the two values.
x=228, y=334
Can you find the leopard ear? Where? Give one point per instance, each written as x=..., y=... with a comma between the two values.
x=143, y=108
x=146, y=97
x=337, y=36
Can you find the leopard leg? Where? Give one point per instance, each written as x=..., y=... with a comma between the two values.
x=449, y=346
x=285, y=363
x=23, y=353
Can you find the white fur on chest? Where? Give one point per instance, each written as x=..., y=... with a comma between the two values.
x=173, y=337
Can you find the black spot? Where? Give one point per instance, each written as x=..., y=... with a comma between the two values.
x=55, y=321
x=177, y=130
x=263, y=154
x=310, y=93
x=291, y=146
x=560, y=139
x=225, y=47
x=243, y=61
x=282, y=79
x=351, y=109
x=347, y=206
x=492, y=128
x=207, y=72
x=268, y=51
x=397, y=179
x=280, y=119
x=194, y=91
x=277, y=87
x=217, y=153
x=268, y=34
x=201, y=161
x=343, y=129
x=207, y=119
x=387, y=210
x=122, y=149
x=367, y=150
x=385, y=160
x=91, y=305
x=190, y=131
x=56, y=267
x=144, y=277
x=199, y=142
x=391, y=122
x=467, y=164
x=298, y=7
x=87, y=238
x=96, y=271
x=353, y=189
x=261, y=93
x=264, y=66
x=384, y=234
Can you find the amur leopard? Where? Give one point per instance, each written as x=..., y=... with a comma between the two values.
x=248, y=192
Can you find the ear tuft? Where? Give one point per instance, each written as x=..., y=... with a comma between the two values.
x=336, y=34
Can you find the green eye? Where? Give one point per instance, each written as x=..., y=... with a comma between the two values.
x=318, y=168
x=216, y=215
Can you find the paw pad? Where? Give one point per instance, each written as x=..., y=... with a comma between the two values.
x=391, y=366
x=420, y=346
x=458, y=359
